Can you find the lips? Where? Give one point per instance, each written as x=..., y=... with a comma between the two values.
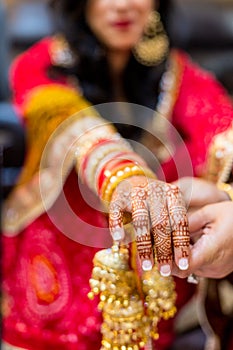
x=124, y=24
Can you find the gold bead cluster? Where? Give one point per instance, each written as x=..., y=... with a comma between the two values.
x=130, y=316
x=125, y=325
x=160, y=298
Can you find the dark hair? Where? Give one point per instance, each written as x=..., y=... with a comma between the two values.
x=91, y=67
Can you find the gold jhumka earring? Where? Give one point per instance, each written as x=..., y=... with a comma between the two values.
x=131, y=305
x=152, y=48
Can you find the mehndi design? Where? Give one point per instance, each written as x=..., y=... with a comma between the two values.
x=158, y=217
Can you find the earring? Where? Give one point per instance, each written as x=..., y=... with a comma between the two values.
x=153, y=46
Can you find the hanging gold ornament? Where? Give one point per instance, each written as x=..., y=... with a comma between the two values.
x=153, y=47
x=131, y=307
x=160, y=298
x=125, y=326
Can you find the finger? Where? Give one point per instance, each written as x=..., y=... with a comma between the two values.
x=194, y=237
x=179, y=273
x=179, y=227
x=199, y=219
x=140, y=219
x=202, y=260
x=160, y=228
x=116, y=221
x=202, y=253
x=185, y=186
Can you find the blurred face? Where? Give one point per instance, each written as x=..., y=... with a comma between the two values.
x=118, y=24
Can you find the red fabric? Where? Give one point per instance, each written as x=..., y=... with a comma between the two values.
x=31, y=69
x=46, y=272
x=47, y=276
x=202, y=110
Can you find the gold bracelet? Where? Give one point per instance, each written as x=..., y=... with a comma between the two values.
x=121, y=175
x=222, y=186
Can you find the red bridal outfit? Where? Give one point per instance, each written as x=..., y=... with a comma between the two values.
x=51, y=226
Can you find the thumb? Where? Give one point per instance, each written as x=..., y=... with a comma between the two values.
x=200, y=218
x=197, y=255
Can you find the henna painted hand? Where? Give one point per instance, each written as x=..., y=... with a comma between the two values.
x=159, y=220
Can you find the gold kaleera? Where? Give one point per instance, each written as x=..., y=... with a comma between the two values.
x=130, y=312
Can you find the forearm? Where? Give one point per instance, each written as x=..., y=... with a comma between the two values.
x=104, y=158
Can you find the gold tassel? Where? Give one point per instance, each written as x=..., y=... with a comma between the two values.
x=160, y=298
x=129, y=318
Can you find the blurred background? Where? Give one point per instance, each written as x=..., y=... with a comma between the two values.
x=204, y=28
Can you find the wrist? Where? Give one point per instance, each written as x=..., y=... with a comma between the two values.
x=132, y=171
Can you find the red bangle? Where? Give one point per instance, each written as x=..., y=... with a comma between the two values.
x=107, y=171
x=121, y=158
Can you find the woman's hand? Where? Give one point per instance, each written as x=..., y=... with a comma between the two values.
x=212, y=254
x=159, y=220
x=198, y=192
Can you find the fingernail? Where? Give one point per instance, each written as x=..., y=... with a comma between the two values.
x=183, y=264
x=165, y=270
x=117, y=235
x=146, y=265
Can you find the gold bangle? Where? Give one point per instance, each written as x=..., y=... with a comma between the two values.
x=222, y=186
x=123, y=174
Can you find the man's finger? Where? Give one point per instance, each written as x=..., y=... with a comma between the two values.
x=200, y=218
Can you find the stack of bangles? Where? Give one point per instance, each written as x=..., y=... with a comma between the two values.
x=117, y=170
x=104, y=159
